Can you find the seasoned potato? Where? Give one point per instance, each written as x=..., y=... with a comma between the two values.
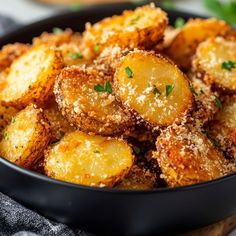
x=205, y=101
x=10, y=52
x=24, y=140
x=89, y=160
x=138, y=179
x=223, y=128
x=91, y=106
x=195, y=31
x=187, y=157
x=30, y=78
x=153, y=88
x=58, y=124
x=213, y=58
x=141, y=28
x=6, y=115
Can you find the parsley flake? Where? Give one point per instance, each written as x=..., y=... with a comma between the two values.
x=97, y=47
x=96, y=151
x=218, y=102
x=136, y=149
x=129, y=72
x=228, y=65
x=193, y=90
x=133, y=21
x=4, y=135
x=126, y=52
x=75, y=55
x=106, y=88
x=57, y=30
x=169, y=89
x=179, y=23
x=156, y=91
x=13, y=120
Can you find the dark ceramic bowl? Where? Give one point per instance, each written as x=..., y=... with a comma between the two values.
x=111, y=211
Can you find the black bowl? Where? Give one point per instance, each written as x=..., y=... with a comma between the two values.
x=111, y=211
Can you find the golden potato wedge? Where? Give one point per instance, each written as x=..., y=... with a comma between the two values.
x=10, y=52
x=223, y=128
x=6, y=115
x=24, y=140
x=31, y=77
x=186, y=156
x=153, y=88
x=91, y=106
x=183, y=47
x=89, y=160
x=215, y=58
x=141, y=28
x=205, y=102
x=138, y=179
x=59, y=126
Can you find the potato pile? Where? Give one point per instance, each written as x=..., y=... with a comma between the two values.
x=131, y=103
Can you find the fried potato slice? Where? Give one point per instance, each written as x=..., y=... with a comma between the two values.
x=186, y=156
x=223, y=128
x=30, y=78
x=141, y=28
x=89, y=160
x=59, y=126
x=153, y=88
x=87, y=106
x=138, y=179
x=195, y=31
x=6, y=115
x=10, y=52
x=209, y=60
x=24, y=140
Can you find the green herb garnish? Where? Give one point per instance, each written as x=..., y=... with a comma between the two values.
x=96, y=151
x=57, y=30
x=136, y=149
x=213, y=141
x=4, y=135
x=218, y=102
x=75, y=55
x=97, y=47
x=133, y=21
x=156, y=91
x=126, y=52
x=228, y=65
x=13, y=120
x=201, y=90
x=129, y=72
x=169, y=89
x=193, y=90
x=179, y=23
x=106, y=88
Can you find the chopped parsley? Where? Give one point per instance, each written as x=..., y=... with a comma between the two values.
x=4, y=135
x=106, y=88
x=156, y=91
x=169, y=89
x=133, y=21
x=75, y=55
x=193, y=90
x=126, y=52
x=218, y=102
x=97, y=47
x=13, y=120
x=213, y=141
x=228, y=65
x=96, y=151
x=57, y=30
x=179, y=23
x=201, y=90
x=129, y=72
x=136, y=149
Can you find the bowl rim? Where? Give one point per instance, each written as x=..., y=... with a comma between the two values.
x=41, y=177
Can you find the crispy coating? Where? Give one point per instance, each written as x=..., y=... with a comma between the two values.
x=25, y=138
x=223, y=128
x=59, y=126
x=153, y=88
x=6, y=115
x=31, y=77
x=195, y=31
x=186, y=156
x=141, y=28
x=88, y=109
x=89, y=160
x=210, y=56
x=138, y=178
x=10, y=52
